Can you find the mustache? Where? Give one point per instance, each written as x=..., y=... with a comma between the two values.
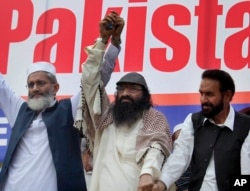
x=126, y=98
x=207, y=104
x=34, y=94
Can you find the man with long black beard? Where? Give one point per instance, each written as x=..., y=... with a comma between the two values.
x=126, y=109
x=130, y=139
x=215, y=141
x=43, y=152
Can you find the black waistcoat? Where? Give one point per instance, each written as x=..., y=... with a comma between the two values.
x=225, y=144
x=64, y=142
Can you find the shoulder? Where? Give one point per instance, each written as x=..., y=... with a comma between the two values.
x=242, y=116
x=153, y=117
x=197, y=118
x=152, y=112
x=64, y=103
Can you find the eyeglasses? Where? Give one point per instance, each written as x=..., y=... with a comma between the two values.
x=39, y=84
x=129, y=88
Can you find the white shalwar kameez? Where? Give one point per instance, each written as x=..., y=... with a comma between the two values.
x=115, y=167
x=118, y=160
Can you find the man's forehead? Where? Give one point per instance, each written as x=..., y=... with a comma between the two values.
x=207, y=83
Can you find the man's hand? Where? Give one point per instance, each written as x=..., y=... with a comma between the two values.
x=105, y=31
x=159, y=186
x=119, y=24
x=146, y=183
x=112, y=24
x=87, y=161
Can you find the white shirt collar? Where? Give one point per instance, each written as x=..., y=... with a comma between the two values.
x=229, y=122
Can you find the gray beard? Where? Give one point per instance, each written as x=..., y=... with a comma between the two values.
x=40, y=103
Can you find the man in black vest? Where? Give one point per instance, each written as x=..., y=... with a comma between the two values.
x=44, y=148
x=215, y=141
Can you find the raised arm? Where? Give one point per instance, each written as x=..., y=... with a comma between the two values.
x=97, y=70
x=10, y=103
x=96, y=73
x=111, y=53
x=113, y=50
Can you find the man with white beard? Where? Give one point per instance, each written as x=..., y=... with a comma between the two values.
x=44, y=148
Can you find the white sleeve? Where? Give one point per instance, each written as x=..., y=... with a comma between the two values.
x=10, y=103
x=74, y=102
x=245, y=156
x=106, y=69
x=91, y=77
x=152, y=163
x=179, y=160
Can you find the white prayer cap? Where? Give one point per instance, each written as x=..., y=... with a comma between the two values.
x=41, y=66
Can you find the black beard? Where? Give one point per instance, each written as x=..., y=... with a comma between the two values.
x=215, y=109
x=128, y=112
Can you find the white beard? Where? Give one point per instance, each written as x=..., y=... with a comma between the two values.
x=38, y=104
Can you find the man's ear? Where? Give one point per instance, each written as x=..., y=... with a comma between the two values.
x=228, y=95
x=56, y=88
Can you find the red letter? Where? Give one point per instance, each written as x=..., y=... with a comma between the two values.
x=179, y=43
x=92, y=17
x=135, y=37
x=207, y=13
x=90, y=29
x=234, y=47
x=59, y=46
x=9, y=33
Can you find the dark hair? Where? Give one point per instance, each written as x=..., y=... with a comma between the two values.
x=224, y=78
x=147, y=98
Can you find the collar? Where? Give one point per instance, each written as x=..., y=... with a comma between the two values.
x=229, y=122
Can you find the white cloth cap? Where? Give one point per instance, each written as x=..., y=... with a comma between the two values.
x=41, y=66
